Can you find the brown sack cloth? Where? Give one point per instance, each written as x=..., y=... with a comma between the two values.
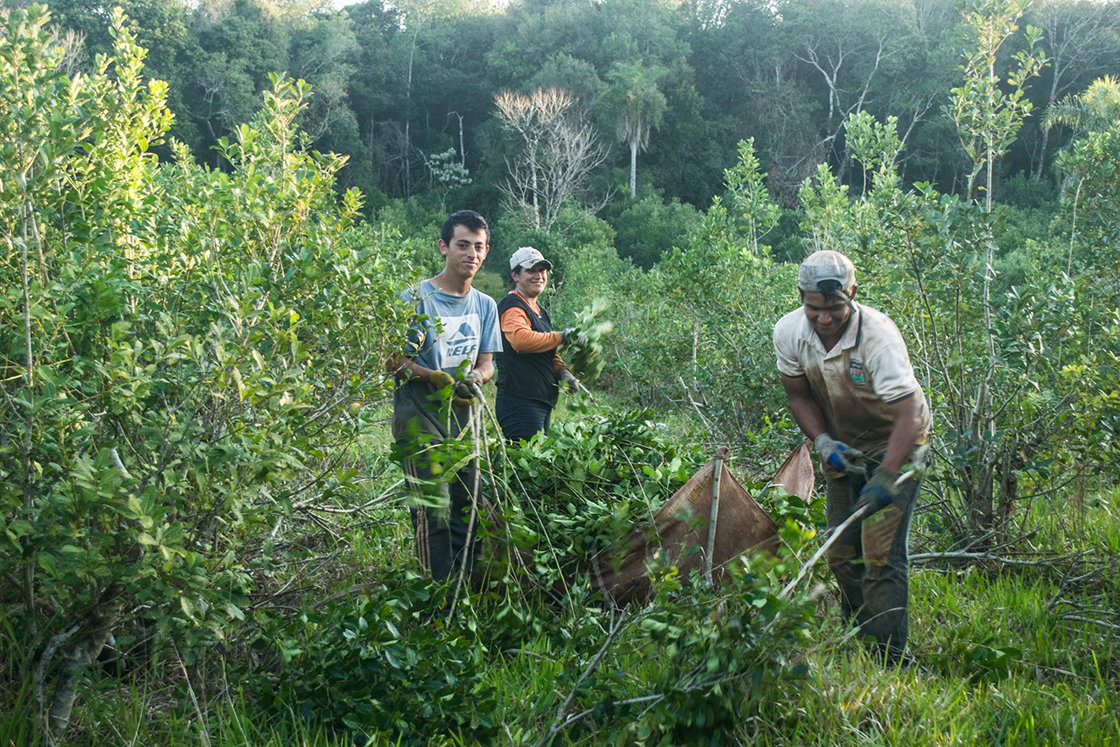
x=680, y=529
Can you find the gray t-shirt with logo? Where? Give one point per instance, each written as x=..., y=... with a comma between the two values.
x=456, y=328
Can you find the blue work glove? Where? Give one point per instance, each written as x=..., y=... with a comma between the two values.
x=880, y=491
x=839, y=456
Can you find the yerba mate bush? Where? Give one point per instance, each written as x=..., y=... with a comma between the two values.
x=395, y=661
x=184, y=353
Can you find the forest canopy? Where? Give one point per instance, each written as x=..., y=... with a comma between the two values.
x=407, y=91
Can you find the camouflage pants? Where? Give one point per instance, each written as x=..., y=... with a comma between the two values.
x=870, y=561
x=441, y=523
x=444, y=540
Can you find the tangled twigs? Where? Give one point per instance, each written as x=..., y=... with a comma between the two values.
x=1072, y=582
x=384, y=497
x=1092, y=620
x=561, y=721
x=980, y=557
x=1091, y=605
x=1082, y=589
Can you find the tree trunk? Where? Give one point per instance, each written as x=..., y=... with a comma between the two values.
x=979, y=510
x=633, y=168
x=79, y=652
x=536, y=193
x=462, y=145
x=407, y=176
x=1046, y=130
x=31, y=629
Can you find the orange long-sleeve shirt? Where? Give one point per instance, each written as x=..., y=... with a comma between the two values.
x=517, y=329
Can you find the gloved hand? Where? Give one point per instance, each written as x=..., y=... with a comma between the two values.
x=441, y=379
x=573, y=335
x=880, y=491
x=839, y=456
x=468, y=390
x=568, y=379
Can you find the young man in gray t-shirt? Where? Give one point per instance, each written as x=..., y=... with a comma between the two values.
x=451, y=353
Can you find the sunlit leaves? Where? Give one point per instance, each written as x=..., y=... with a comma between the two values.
x=191, y=350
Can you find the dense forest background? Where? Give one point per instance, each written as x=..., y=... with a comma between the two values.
x=408, y=92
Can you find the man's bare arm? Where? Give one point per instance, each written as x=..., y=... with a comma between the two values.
x=806, y=412
x=406, y=368
x=484, y=364
x=905, y=434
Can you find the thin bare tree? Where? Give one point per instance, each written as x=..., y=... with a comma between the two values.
x=558, y=150
x=830, y=57
x=1082, y=37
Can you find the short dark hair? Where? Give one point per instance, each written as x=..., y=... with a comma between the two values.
x=830, y=289
x=468, y=218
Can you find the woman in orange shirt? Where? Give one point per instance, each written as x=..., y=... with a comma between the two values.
x=530, y=370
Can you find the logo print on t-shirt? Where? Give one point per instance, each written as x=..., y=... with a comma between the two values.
x=855, y=371
x=459, y=340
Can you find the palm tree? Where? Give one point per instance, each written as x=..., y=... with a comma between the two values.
x=1095, y=109
x=636, y=105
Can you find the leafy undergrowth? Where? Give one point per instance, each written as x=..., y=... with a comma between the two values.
x=403, y=660
x=380, y=659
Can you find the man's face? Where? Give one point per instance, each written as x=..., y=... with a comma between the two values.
x=464, y=255
x=827, y=315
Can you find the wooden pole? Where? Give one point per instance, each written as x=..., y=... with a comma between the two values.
x=713, y=517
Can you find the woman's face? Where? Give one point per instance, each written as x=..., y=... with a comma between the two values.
x=530, y=282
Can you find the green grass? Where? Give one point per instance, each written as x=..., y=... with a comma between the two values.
x=492, y=281
x=1060, y=689
x=852, y=701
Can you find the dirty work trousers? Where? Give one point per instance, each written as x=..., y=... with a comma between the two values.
x=441, y=524
x=521, y=418
x=870, y=561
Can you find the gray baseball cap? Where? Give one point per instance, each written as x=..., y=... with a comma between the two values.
x=819, y=268
x=526, y=257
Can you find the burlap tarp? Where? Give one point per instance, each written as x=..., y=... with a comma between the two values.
x=680, y=529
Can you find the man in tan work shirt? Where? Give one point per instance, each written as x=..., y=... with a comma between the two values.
x=851, y=389
x=530, y=370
